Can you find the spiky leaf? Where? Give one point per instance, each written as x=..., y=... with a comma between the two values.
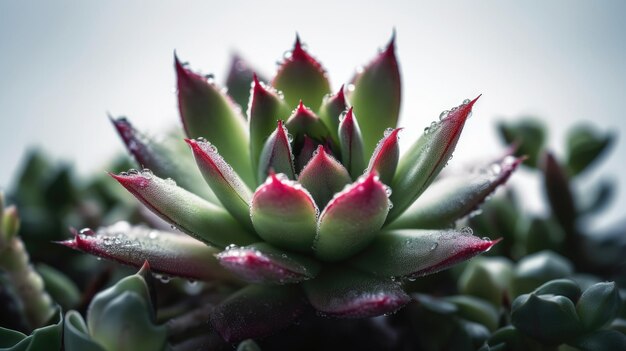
x=277, y=155
x=351, y=143
x=385, y=157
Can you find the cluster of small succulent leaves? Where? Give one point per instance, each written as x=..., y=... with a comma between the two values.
x=308, y=201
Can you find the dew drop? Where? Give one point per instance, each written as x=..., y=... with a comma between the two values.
x=350, y=87
x=290, y=138
x=486, y=238
x=146, y=173
x=388, y=132
x=433, y=246
x=170, y=181
x=466, y=101
x=443, y=115
x=467, y=231
x=153, y=234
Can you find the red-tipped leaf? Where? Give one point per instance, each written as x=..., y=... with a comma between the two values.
x=263, y=263
x=207, y=112
x=351, y=219
x=284, y=214
x=415, y=253
x=419, y=166
x=301, y=77
x=302, y=122
x=348, y=293
x=277, y=155
x=351, y=144
x=186, y=211
x=385, y=158
x=330, y=112
x=168, y=253
x=323, y=176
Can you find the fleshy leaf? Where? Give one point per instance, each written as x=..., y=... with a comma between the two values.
x=454, y=197
x=306, y=152
x=256, y=311
x=560, y=196
x=330, y=112
x=161, y=158
x=349, y=293
x=207, y=112
x=277, y=155
x=385, y=158
x=186, y=211
x=304, y=122
x=529, y=134
x=266, y=107
x=233, y=194
x=168, y=253
x=375, y=94
x=238, y=81
x=351, y=144
x=420, y=165
x=584, y=146
x=284, y=214
x=351, y=219
x=263, y=263
x=302, y=78
x=76, y=335
x=323, y=176
x=415, y=253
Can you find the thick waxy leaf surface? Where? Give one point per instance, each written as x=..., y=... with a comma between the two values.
x=351, y=144
x=330, y=111
x=266, y=107
x=277, y=155
x=385, y=158
x=349, y=293
x=301, y=77
x=263, y=263
x=284, y=214
x=207, y=112
x=351, y=219
x=233, y=194
x=375, y=95
x=168, y=253
x=76, y=335
x=306, y=152
x=304, y=122
x=239, y=79
x=415, y=253
x=323, y=176
x=256, y=311
x=426, y=158
x=161, y=158
x=455, y=197
x=186, y=211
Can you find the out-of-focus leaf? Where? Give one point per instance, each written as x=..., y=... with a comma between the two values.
x=487, y=278
x=351, y=144
x=601, y=340
x=550, y=319
x=584, y=146
x=598, y=305
x=528, y=135
x=557, y=187
x=61, y=288
x=330, y=111
x=476, y=310
x=44, y=338
x=536, y=269
x=598, y=198
x=239, y=80
x=76, y=335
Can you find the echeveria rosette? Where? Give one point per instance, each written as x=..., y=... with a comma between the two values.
x=301, y=206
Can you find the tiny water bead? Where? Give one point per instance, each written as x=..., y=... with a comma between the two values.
x=434, y=246
x=443, y=115
x=388, y=132
x=467, y=231
x=466, y=101
x=350, y=87
x=170, y=181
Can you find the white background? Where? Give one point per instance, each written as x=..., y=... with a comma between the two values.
x=63, y=64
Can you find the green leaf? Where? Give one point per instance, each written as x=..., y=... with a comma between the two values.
x=266, y=107
x=277, y=155
x=186, y=211
x=385, y=157
x=375, y=94
x=455, y=197
x=330, y=112
x=301, y=78
x=351, y=143
x=548, y=318
x=487, y=278
x=476, y=310
x=284, y=214
x=347, y=293
x=233, y=194
x=248, y=345
x=536, y=269
x=585, y=145
x=351, y=219
x=61, y=288
x=528, y=134
x=304, y=122
x=76, y=335
x=426, y=158
x=323, y=177
x=44, y=338
x=256, y=311
x=163, y=158
x=598, y=305
x=263, y=263
x=559, y=193
x=168, y=253
x=564, y=287
x=415, y=253
x=601, y=340
x=207, y=112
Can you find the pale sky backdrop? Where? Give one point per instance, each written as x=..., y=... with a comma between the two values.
x=63, y=64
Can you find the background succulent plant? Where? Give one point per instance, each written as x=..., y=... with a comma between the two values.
x=292, y=200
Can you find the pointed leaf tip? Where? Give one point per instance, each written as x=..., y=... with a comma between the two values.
x=323, y=176
x=277, y=154
x=351, y=144
x=385, y=158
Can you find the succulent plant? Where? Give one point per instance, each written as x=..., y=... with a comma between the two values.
x=294, y=212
